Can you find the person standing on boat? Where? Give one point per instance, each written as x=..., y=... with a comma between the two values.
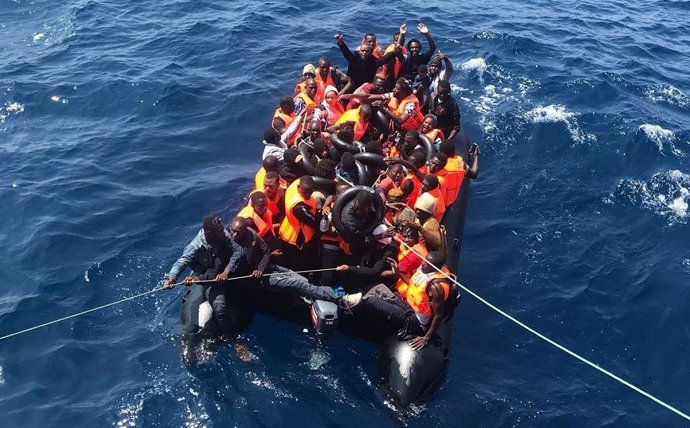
x=439, y=68
x=414, y=58
x=362, y=67
x=212, y=254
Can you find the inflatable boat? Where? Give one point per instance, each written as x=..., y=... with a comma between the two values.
x=407, y=375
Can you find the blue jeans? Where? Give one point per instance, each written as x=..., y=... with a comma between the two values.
x=287, y=279
x=215, y=295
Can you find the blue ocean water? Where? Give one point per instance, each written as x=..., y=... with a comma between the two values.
x=122, y=124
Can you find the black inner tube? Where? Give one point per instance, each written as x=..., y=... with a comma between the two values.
x=304, y=150
x=348, y=196
x=324, y=184
x=342, y=146
x=427, y=145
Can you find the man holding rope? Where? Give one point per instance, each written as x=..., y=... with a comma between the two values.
x=210, y=254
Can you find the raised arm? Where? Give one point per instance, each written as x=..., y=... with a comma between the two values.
x=347, y=53
x=432, y=45
x=446, y=67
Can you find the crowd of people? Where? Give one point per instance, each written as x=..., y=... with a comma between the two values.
x=357, y=172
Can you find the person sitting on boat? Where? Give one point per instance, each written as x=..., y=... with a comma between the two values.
x=276, y=141
x=430, y=129
x=301, y=221
x=411, y=251
x=457, y=168
x=445, y=108
x=333, y=106
x=326, y=76
x=397, y=211
x=271, y=275
x=359, y=117
x=334, y=249
x=440, y=68
x=275, y=197
x=306, y=101
x=430, y=185
x=270, y=163
x=357, y=216
x=376, y=87
x=437, y=167
x=308, y=72
x=347, y=168
x=369, y=39
x=361, y=67
x=291, y=169
x=374, y=266
x=433, y=233
x=393, y=179
x=420, y=87
x=212, y=254
x=400, y=106
x=414, y=58
x=284, y=114
x=260, y=219
x=418, y=308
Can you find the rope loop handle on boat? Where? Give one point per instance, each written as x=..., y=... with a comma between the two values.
x=546, y=339
x=147, y=293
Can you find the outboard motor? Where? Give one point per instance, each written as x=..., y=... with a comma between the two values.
x=324, y=316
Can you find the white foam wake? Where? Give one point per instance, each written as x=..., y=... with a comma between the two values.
x=662, y=138
x=499, y=88
x=557, y=113
x=667, y=94
x=10, y=108
x=667, y=194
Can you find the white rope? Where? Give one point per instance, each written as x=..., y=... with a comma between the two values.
x=146, y=293
x=557, y=345
x=17, y=333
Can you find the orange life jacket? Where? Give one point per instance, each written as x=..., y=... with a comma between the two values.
x=263, y=224
x=413, y=121
x=435, y=134
x=454, y=177
x=403, y=252
x=272, y=204
x=308, y=102
x=440, y=204
x=386, y=69
x=416, y=188
x=321, y=85
x=291, y=227
x=287, y=118
x=353, y=116
x=259, y=182
x=417, y=295
x=442, y=176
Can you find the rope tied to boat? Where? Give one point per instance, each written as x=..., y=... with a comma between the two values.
x=546, y=339
x=147, y=293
